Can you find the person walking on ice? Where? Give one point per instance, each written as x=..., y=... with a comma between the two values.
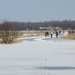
x=51, y=34
x=56, y=34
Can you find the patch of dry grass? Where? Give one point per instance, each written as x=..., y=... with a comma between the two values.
x=0, y=42
x=14, y=41
x=33, y=33
x=69, y=36
x=17, y=41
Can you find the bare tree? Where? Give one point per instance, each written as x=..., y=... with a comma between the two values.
x=8, y=32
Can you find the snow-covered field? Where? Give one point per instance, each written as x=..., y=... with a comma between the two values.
x=38, y=56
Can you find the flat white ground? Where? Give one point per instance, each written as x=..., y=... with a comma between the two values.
x=38, y=56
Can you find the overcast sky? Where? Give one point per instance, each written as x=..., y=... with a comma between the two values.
x=37, y=10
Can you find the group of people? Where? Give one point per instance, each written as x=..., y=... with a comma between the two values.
x=55, y=33
x=47, y=34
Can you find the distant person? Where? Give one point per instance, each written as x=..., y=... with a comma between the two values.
x=59, y=31
x=72, y=31
x=63, y=31
x=46, y=34
x=51, y=35
x=56, y=34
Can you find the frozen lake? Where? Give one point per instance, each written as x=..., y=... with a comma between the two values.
x=38, y=56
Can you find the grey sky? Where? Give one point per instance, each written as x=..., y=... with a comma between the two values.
x=37, y=10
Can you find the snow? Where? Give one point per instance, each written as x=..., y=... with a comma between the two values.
x=38, y=56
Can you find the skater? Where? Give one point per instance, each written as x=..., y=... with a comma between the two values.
x=56, y=34
x=46, y=34
x=51, y=35
x=59, y=31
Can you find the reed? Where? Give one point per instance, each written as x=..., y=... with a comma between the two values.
x=69, y=36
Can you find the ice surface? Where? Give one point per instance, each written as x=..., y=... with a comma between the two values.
x=38, y=56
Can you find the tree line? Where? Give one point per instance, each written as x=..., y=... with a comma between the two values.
x=65, y=24
x=36, y=25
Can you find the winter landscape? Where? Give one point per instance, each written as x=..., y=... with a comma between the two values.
x=38, y=56
x=32, y=37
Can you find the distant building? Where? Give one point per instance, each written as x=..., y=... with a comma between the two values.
x=50, y=28
x=46, y=28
